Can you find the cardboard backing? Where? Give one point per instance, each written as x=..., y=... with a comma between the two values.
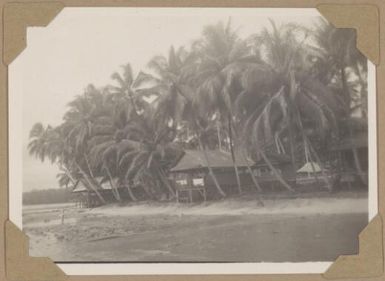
x=365, y=16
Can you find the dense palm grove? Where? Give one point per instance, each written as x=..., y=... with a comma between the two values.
x=286, y=89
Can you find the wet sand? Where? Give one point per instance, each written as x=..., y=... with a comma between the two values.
x=229, y=231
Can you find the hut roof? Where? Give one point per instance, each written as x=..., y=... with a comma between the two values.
x=275, y=159
x=308, y=168
x=195, y=160
x=104, y=185
x=79, y=187
x=357, y=141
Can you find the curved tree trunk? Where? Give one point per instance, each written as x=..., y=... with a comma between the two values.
x=256, y=184
x=354, y=150
x=130, y=193
x=92, y=179
x=113, y=186
x=147, y=189
x=328, y=183
x=357, y=163
x=219, y=136
x=345, y=87
x=68, y=173
x=88, y=165
x=233, y=155
x=211, y=173
x=254, y=179
x=308, y=150
x=292, y=147
x=363, y=84
x=165, y=181
x=275, y=172
x=91, y=184
x=309, y=158
x=314, y=171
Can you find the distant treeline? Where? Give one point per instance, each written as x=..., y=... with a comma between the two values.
x=47, y=196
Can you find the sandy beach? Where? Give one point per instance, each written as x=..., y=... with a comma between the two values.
x=235, y=230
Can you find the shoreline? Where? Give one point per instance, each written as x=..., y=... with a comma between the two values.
x=228, y=230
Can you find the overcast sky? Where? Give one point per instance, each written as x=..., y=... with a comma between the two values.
x=86, y=45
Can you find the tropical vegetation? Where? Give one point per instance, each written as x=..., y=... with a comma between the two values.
x=286, y=89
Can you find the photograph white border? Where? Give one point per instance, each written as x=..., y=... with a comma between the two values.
x=15, y=111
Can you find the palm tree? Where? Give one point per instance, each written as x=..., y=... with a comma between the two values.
x=145, y=153
x=104, y=147
x=177, y=104
x=300, y=100
x=220, y=51
x=171, y=83
x=338, y=53
x=79, y=121
x=40, y=141
x=45, y=143
x=278, y=91
x=48, y=143
x=128, y=95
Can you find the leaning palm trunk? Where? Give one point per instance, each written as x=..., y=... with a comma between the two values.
x=308, y=152
x=68, y=173
x=292, y=148
x=113, y=186
x=256, y=184
x=165, y=181
x=324, y=176
x=345, y=89
x=275, y=172
x=91, y=184
x=254, y=179
x=211, y=173
x=328, y=184
x=130, y=193
x=347, y=104
x=88, y=165
x=233, y=156
x=309, y=158
x=219, y=136
x=314, y=171
x=363, y=85
x=357, y=163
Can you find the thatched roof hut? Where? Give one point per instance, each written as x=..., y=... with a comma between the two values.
x=310, y=167
x=79, y=187
x=194, y=160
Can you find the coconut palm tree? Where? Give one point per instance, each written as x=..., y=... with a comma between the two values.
x=300, y=100
x=79, y=122
x=338, y=54
x=40, y=141
x=49, y=143
x=104, y=147
x=177, y=104
x=128, y=95
x=280, y=90
x=170, y=83
x=45, y=143
x=147, y=151
x=220, y=51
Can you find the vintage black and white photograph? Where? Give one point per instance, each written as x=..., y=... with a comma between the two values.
x=190, y=135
